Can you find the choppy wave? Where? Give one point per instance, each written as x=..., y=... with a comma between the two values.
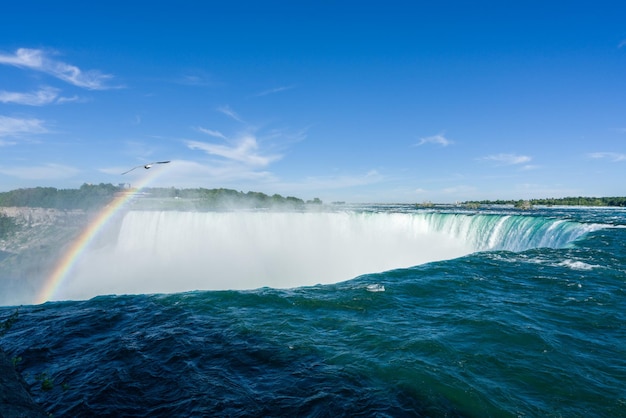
x=501, y=331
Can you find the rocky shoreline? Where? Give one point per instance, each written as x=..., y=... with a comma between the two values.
x=30, y=246
x=32, y=223
x=37, y=230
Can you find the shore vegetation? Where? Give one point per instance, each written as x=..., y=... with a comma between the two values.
x=92, y=196
x=564, y=201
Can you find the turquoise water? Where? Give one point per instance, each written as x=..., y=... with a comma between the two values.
x=530, y=322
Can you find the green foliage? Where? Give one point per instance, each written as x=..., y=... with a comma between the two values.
x=89, y=196
x=95, y=196
x=564, y=201
x=212, y=199
x=523, y=204
x=47, y=383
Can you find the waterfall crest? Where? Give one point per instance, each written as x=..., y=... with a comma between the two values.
x=168, y=251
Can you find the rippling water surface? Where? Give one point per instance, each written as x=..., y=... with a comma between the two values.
x=537, y=331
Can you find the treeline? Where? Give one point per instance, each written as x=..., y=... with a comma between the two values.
x=90, y=196
x=564, y=201
x=201, y=198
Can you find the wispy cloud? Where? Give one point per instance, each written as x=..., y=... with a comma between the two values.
x=244, y=150
x=212, y=133
x=460, y=189
x=195, y=77
x=13, y=127
x=42, y=172
x=72, y=99
x=230, y=113
x=43, y=96
x=221, y=174
x=508, y=159
x=529, y=167
x=622, y=44
x=273, y=91
x=38, y=60
x=612, y=156
x=192, y=80
x=334, y=182
x=439, y=139
x=245, y=155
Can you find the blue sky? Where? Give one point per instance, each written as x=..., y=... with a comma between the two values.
x=355, y=101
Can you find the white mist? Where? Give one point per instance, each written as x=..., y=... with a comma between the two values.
x=166, y=251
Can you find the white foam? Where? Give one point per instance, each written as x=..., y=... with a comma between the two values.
x=375, y=288
x=577, y=265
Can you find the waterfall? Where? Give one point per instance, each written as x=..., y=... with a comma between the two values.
x=168, y=251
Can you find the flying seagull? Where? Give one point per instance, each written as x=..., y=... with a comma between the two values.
x=146, y=166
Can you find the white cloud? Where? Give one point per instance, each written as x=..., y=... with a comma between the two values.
x=435, y=139
x=211, y=132
x=508, y=159
x=230, y=113
x=45, y=95
x=240, y=157
x=459, y=189
x=42, y=172
x=36, y=59
x=196, y=78
x=12, y=127
x=186, y=173
x=72, y=99
x=529, y=167
x=333, y=182
x=613, y=156
x=23, y=57
x=244, y=150
x=274, y=90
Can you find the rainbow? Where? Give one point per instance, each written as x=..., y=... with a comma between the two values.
x=71, y=256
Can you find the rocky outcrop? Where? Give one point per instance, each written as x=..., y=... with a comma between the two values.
x=35, y=224
x=30, y=245
x=15, y=400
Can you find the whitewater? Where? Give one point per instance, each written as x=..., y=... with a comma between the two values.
x=373, y=310
x=248, y=250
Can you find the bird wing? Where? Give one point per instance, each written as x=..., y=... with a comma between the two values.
x=128, y=171
x=146, y=166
